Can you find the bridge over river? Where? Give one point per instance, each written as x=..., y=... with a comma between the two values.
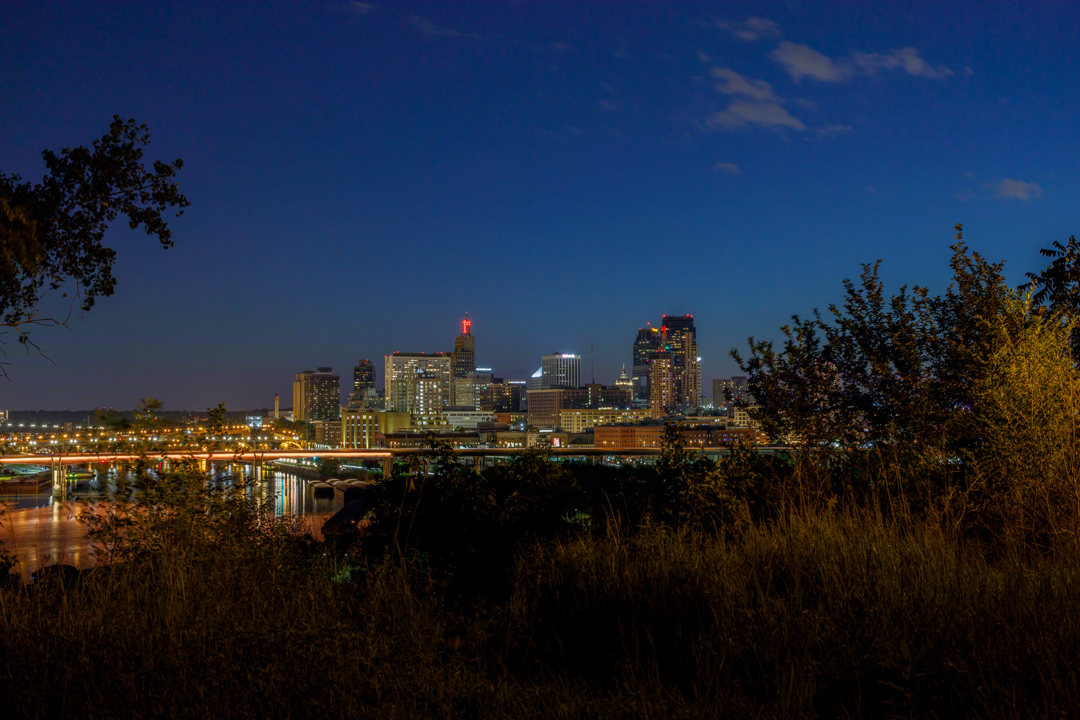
x=57, y=463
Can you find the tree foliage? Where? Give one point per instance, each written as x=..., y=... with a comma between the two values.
x=1057, y=288
x=878, y=368
x=1028, y=411
x=52, y=232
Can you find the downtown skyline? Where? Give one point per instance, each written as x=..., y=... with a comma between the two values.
x=362, y=174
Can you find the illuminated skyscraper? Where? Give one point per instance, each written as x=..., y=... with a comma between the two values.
x=363, y=384
x=679, y=337
x=560, y=370
x=408, y=375
x=648, y=340
x=317, y=396
x=463, y=359
x=663, y=383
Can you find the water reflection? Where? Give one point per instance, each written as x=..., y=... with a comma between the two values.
x=40, y=529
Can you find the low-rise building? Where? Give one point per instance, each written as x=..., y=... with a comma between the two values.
x=516, y=420
x=742, y=418
x=739, y=436
x=634, y=437
x=578, y=420
x=419, y=440
x=359, y=427
x=511, y=439
x=327, y=433
x=631, y=437
x=468, y=419
x=555, y=439
x=546, y=404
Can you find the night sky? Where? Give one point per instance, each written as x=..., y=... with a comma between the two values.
x=362, y=174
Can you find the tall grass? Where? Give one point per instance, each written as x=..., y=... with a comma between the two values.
x=797, y=598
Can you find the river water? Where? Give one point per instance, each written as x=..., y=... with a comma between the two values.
x=39, y=529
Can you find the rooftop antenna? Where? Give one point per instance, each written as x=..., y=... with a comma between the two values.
x=592, y=365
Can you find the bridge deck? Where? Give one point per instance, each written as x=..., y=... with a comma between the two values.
x=359, y=454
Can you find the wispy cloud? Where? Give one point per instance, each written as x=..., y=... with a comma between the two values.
x=834, y=130
x=906, y=59
x=729, y=167
x=802, y=61
x=427, y=27
x=1015, y=190
x=752, y=28
x=755, y=103
x=741, y=113
x=730, y=82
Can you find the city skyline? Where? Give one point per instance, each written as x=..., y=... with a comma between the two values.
x=361, y=174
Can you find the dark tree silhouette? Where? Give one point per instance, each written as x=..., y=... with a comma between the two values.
x=52, y=232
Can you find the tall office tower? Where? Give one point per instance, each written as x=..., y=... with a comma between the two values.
x=363, y=384
x=679, y=337
x=648, y=340
x=401, y=375
x=624, y=382
x=463, y=359
x=317, y=396
x=663, y=383
x=560, y=370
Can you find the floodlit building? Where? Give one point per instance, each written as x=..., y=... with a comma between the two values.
x=417, y=383
x=360, y=426
x=462, y=359
x=560, y=370
x=625, y=382
x=579, y=420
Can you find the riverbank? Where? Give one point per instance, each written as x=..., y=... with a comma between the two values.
x=39, y=530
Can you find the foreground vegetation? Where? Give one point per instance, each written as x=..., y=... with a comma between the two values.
x=786, y=599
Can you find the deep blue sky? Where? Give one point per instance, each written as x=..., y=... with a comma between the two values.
x=362, y=174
